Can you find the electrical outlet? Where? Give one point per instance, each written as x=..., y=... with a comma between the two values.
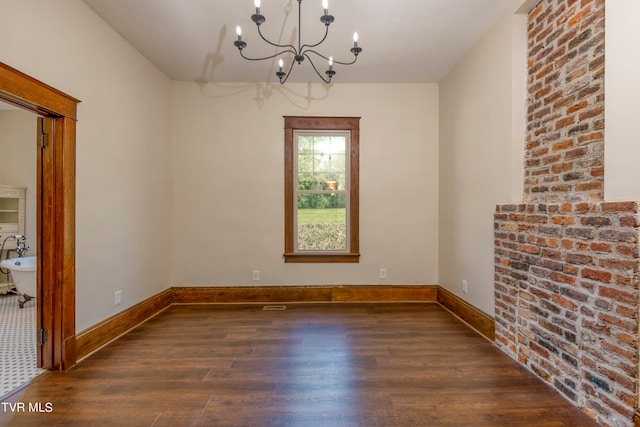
x=465, y=286
x=118, y=298
x=256, y=275
x=383, y=273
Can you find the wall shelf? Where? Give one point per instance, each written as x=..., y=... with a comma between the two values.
x=12, y=219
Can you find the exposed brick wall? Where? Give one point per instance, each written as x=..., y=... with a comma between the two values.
x=564, y=143
x=566, y=287
x=567, y=263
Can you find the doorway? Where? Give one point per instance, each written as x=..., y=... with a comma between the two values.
x=18, y=349
x=55, y=212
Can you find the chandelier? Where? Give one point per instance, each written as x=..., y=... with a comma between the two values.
x=301, y=52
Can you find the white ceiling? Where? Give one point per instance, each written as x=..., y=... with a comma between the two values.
x=403, y=41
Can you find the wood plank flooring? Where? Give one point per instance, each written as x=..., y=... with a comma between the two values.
x=310, y=365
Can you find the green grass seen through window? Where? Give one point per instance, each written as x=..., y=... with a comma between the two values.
x=321, y=216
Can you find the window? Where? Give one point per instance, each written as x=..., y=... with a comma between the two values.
x=321, y=189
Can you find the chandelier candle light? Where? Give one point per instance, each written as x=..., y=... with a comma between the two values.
x=303, y=50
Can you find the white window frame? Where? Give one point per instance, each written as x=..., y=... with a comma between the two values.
x=296, y=187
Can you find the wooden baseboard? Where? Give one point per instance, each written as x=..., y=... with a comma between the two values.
x=109, y=329
x=291, y=294
x=195, y=295
x=477, y=319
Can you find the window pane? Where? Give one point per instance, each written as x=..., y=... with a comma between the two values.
x=305, y=163
x=337, y=182
x=321, y=162
x=338, y=144
x=322, y=222
x=312, y=181
x=305, y=144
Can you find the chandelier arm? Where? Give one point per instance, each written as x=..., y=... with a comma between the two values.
x=307, y=46
x=355, y=58
x=292, y=47
x=267, y=57
x=315, y=69
x=324, y=57
x=286, y=77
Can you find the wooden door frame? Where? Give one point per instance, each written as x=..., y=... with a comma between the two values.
x=55, y=219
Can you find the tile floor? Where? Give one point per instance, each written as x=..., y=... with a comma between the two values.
x=18, y=359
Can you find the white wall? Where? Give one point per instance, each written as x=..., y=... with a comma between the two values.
x=622, y=101
x=228, y=182
x=481, y=156
x=18, y=163
x=123, y=152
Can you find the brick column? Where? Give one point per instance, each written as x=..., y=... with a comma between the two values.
x=567, y=262
x=565, y=104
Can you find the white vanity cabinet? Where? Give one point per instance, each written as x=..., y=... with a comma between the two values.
x=12, y=205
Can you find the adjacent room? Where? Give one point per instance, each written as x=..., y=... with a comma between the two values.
x=433, y=221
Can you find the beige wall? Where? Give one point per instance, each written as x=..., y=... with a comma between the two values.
x=622, y=101
x=189, y=191
x=228, y=182
x=18, y=162
x=481, y=157
x=123, y=151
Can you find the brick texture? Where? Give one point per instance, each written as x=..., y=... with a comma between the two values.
x=567, y=263
x=564, y=155
x=566, y=298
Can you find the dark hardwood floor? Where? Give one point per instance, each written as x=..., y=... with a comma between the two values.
x=309, y=365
